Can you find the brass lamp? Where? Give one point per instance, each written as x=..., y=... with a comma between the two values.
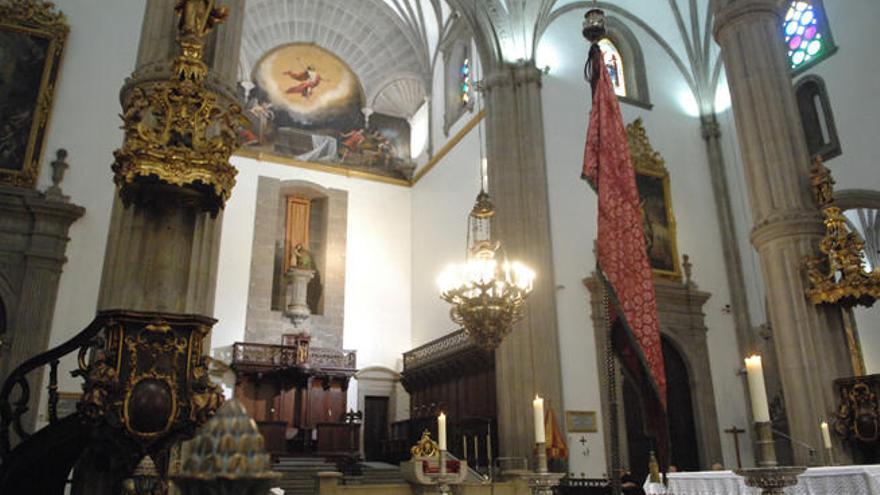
x=487, y=292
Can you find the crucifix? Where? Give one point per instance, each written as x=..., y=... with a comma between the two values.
x=733, y=430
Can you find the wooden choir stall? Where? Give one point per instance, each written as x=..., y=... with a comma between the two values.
x=454, y=376
x=297, y=395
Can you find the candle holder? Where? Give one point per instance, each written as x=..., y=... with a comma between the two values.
x=542, y=480
x=771, y=480
x=766, y=451
x=420, y=470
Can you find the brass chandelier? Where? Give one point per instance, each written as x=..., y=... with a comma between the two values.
x=487, y=292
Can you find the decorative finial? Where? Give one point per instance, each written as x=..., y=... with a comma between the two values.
x=59, y=167
x=197, y=19
x=687, y=267
x=594, y=25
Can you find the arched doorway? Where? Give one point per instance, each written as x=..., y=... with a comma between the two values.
x=684, y=447
x=680, y=407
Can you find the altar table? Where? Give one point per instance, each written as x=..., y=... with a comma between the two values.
x=835, y=480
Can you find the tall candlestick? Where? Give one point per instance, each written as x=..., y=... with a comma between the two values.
x=538, y=406
x=441, y=431
x=476, y=450
x=464, y=444
x=826, y=435
x=757, y=389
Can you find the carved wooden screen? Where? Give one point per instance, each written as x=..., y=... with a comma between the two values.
x=297, y=231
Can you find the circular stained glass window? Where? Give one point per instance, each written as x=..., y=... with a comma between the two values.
x=802, y=30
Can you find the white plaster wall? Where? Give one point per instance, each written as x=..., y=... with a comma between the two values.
x=676, y=135
x=441, y=202
x=100, y=53
x=377, y=279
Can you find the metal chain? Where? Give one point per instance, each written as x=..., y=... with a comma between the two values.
x=611, y=387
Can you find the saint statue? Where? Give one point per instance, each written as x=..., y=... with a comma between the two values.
x=198, y=17
x=301, y=258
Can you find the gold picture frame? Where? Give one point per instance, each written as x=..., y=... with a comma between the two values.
x=32, y=37
x=652, y=181
x=581, y=422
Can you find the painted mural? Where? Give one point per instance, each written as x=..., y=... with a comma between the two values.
x=305, y=103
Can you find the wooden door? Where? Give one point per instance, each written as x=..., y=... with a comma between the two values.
x=375, y=426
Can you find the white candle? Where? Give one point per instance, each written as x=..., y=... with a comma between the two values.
x=538, y=406
x=441, y=431
x=757, y=389
x=826, y=435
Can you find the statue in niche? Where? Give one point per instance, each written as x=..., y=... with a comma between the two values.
x=301, y=258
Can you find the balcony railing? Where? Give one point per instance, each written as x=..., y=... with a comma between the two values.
x=274, y=357
x=437, y=350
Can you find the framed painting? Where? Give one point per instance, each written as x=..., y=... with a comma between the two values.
x=32, y=36
x=658, y=222
x=581, y=422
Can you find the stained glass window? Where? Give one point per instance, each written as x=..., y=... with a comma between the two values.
x=464, y=74
x=805, y=33
x=614, y=64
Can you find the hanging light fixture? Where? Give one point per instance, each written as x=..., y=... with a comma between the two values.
x=487, y=292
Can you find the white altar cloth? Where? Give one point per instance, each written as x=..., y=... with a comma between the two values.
x=835, y=480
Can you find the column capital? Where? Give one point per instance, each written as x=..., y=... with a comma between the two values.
x=803, y=223
x=512, y=74
x=709, y=127
x=734, y=12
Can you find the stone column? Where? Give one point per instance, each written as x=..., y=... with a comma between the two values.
x=730, y=247
x=164, y=259
x=527, y=362
x=809, y=340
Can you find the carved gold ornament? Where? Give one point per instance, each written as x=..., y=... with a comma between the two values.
x=178, y=133
x=425, y=446
x=839, y=276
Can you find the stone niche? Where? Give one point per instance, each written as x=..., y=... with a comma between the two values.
x=325, y=239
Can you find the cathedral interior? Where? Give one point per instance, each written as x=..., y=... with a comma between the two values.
x=439, y=246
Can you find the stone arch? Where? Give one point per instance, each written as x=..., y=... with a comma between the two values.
x=680, y=308
x=862, y=210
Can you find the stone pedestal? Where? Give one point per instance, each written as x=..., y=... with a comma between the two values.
x=786, y=223
x=527, y=362
x=297, y=289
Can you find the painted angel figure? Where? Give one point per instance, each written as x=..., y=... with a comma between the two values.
x=308, y=79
